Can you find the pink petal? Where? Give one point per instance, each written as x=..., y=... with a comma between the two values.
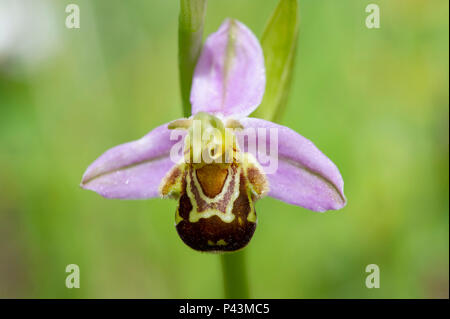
x=132, y=170
x=303, y=176
x=229, y=78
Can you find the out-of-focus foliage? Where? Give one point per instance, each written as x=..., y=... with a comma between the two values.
x=279, y=41
x=374, y=100
x=190, y=32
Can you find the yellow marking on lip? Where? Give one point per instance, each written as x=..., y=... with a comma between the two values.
x=228, y=216
x=211, y=178
x=219, y=196
x=220, y=242
x=251, y=217
x=178, y=218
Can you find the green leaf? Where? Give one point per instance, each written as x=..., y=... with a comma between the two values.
x=279, y=42
x=190, y=32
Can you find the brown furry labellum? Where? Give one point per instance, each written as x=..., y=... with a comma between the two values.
x=216, y=210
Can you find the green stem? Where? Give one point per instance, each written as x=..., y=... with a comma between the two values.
x=235, y=275
x=190, y=32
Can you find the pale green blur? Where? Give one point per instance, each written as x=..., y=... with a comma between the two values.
x=374, y=100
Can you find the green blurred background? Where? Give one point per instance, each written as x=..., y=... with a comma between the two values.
x=374, y=100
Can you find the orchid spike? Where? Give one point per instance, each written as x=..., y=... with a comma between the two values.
x=218, y=162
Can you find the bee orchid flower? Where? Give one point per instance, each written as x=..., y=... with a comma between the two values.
x=220, y=172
